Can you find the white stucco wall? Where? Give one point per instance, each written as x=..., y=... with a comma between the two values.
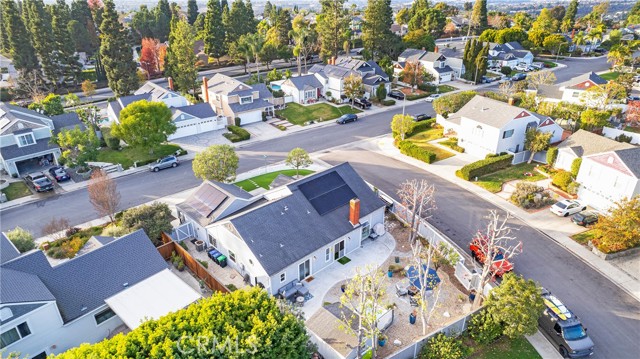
x=565, y=159
x=601, y=186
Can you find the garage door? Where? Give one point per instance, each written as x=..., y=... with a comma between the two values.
x=183, y=130
x=251, y=117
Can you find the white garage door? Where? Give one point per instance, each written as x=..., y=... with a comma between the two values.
x=445, y=77
x=251, y=117
x=194, y=127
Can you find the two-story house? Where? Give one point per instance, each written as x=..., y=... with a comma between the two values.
x=25, y=138
x=607, y=177
x=46, y=309
x=288, y=233
x=443, y=68
x=333, y=74
x=510, y=54
x=486, y=126
x=232, y=98
x=575, y=90
x=584, y=143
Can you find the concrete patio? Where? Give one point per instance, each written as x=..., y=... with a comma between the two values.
x=225, y=275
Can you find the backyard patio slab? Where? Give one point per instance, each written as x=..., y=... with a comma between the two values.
x=225, y=275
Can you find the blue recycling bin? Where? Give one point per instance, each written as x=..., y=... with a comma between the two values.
x=214, y=254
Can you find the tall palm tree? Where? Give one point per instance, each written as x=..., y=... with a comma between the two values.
x=255, y=42
x=242, y=50
x=618, y=54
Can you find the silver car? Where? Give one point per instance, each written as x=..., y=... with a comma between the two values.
x=166, y=162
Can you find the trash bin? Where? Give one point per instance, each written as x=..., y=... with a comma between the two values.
x=199, y=246
x=222, y=260
x=214, y=254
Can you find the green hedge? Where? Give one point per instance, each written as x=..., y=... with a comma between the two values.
x=410, y=149
x=388, y=102
x=111, y=141
x=483, y=167
x=237, y=134
x=421, y=126
x=89, y=75
x=417, y=96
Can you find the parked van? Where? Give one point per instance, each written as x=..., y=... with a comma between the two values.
x=564, y=329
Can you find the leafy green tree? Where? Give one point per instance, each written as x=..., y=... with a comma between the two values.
x=618, y=55
x=570, y=16
x=269, y=53
x=537, y=36
x=575, y=166
x=115, y=52
x=555, y=44
x=144, y=124
x=510, y=34
x=403, y=16
x=239, y=21
x=161, y=20
x=619, y=229
x=381, y=93
x=414, y=74
x=536, y=141
x=64, y=45
x=352, y=87
x=517, y=304
x=183, y=59
x=376, y=29
x=484, y=329
x=213, y=33
x=298, y=158
x=545, y=21
x=216, y=163
x=332, y=26
x=522, y=20
x=22, y=239
x=446, y=105
x=51, y=105
x=192, y=11
x=78, y=146
x=591, y=119
x=153, y=219
x=444, y=347
x=19, y=43
x=634, y=14
x=418, y=39
x=479, y=15
x=552, y=154
x=142, y=23
x=402, y=124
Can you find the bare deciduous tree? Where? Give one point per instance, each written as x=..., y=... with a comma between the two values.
x=417, y=198
x=103, y=194
x=498, y=238
x=539, y=78
x=363, y=296
x=55, y=228
x=423, y=256
x=506, y=89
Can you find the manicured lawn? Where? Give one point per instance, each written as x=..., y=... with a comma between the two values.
x=610, y=75
x=493, y=182
x=300, y=115
x=584, y=237
x=506, y=348
x=128, y=155
x=16, y=190
x=426, y=136
x=632, y=129
x=446, y=88
x=441, y=154
x=265, y=180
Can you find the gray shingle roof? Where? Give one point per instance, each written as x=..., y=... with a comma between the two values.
x=412, y=54
x=156, y=91
x=255, y=105
x=199, y=110
x=443, y=70
x=12, y=115
x=86, y=281
x=223, y=84
x=585, y=143
x=67, y=121
x=21, y=287
x=631, y=158
x=491, y=112
x=591, y=76
x=263, y=91
x=301, y=82
x=14, y=151
x=7, y=250
x=433, y=56
x=279, y=237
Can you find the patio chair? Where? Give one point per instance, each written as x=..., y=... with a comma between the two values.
x=401, y=289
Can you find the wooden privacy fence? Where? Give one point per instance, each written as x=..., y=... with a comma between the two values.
x=196, y=268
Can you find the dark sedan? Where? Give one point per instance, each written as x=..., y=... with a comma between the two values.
x=347, y=118
x=421, y=117
x=585, y=218
x=398, y=95
x=59, y=173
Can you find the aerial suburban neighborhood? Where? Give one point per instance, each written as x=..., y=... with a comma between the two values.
x=338, y=179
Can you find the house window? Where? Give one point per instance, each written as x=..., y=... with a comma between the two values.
x=25, y=139
x=575, y=94
x=104, y=316
x=212, y=240
x=309, y=94
x=232, y=255
x=507, y=134
x=283, y=277
x=246, y=99
x=327, y=254
x=14, y=334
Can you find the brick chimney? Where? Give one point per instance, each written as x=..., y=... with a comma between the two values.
x=435, y=49
x=170, y=83
x=354, y=211
x=511, y=101
x=333, y=60
x=205, y=89
x=573, y=33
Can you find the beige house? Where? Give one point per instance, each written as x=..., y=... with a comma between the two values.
x=232, y=98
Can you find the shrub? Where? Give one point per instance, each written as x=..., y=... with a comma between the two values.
x=278, y=93
x=203, y=263
x=237, y=121
x=623, y=138
x=381, y=93
x=22, y=239
x=111, y=141
x=443, y=347
x=562, y=179
x=396, y=268
x=421, y=126
x=231, y=287
x=412, y=150
x=417, y=96
x=153, y=219
x=453, y=144
x=529, y=195
x=484, y=329
x=506, y=70
x=483, y=167
x=552, y=154
x=71, y=231
x=113, y=230
x=572, y=188
x=388, y=102
x=575, y=167
x=237, y=134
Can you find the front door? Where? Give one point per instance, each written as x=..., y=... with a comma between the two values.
x=338, y=250
x=304, y=270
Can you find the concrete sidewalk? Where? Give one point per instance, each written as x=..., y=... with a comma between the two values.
x=446, y=170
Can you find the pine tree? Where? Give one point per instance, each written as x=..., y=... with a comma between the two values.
x=192, y=11
x=162, y=17
x=332, y=26
x=268, y=8
x=570, y=16
x=86, y=40
x=116, y=53
x=479, y=15
x=20, y=48
x=42, y=37
x=239, y=21
x=481, y=62
x=213, y=34
x=376, y=30
x=64, y=45
x=183, y=59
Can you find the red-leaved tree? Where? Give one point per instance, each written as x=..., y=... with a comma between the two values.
x=149, y=60
x=633, y=113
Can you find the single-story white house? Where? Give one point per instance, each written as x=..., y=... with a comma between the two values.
x=303, y=89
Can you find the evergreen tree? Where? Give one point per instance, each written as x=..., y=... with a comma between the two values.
x=479, y=15
x=143, y=23
x=281, y=19
x=183, y=59
x=84, y=34
x=192, y=11
x=266, y=13
x=376, y=30
x=213, y=34
x=115, y=52
x=481, y=62
x=224, y=5
x=64, y=45
x=332, y=26
x=162, y=18
x=42, y=37
x=19, y=45
x=239, y=21
x=418, y=6
x=570, y=16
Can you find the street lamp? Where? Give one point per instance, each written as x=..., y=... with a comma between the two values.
x=475, y=78
x=265, y=163
x=404, y=96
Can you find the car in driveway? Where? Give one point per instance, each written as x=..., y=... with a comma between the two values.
x=166, y=162
x=363, y=103
x=433, y=97
x=421, y=117
x=585, y=218
x=567, y=207
x=519, y=77
x=59, y=173
x=350, y=117
x=39, y=182
x=479, y=249
x=398, y=95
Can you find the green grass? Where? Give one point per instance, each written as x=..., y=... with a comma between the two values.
x=632, y=129
x=128, y=155
x=441, y=153
x=584, y=237
x=506, y=348
x=610, y=75
x=16, y=190
x=423, y=138
x=446, y=88
x=265, y=180
x=493, y=182
x=344, y=260
x=300, y=115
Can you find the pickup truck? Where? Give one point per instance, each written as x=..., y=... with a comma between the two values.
x=363, y=103
x=499, y=265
